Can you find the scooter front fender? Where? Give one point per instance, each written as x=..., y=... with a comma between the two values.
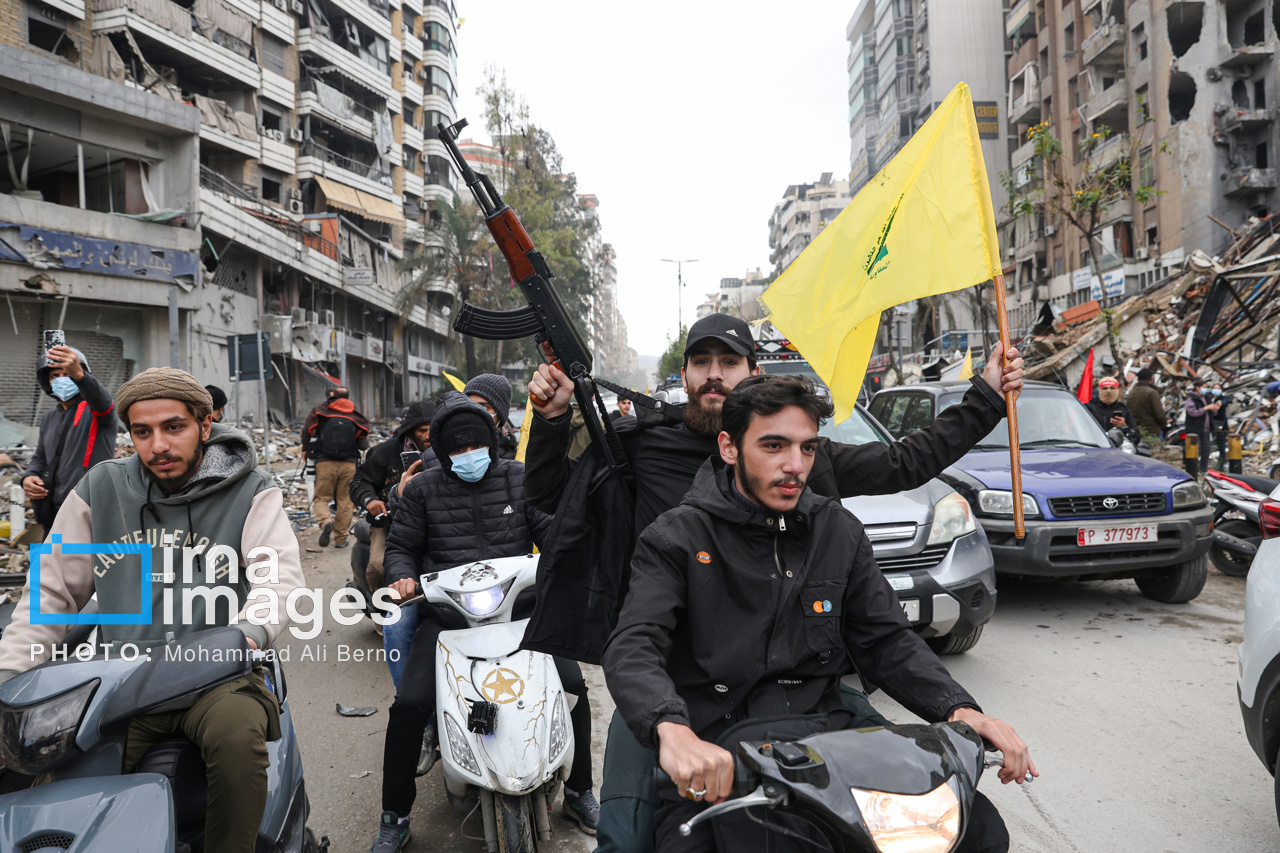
x=486, y=664
x=132, y=812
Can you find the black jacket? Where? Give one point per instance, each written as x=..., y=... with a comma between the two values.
x=799, y=612
x=72, y=440
x=1103, y=412
x=441, y=521
x=666, y=459
x=1219, y=419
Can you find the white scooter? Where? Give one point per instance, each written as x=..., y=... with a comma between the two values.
x=502, y=715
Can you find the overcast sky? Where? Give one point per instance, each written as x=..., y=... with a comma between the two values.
x=687, y=120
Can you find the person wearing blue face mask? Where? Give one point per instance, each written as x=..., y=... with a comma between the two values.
x=470, y=508
x=76, y=434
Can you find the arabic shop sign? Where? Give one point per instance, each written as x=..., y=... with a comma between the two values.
x=46, y=249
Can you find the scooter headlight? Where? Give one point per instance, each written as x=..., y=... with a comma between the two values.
x=559, y=731
x=482, y=602
x=459, y=748
x=952, y=518
x=924, y=823
x=34, y=738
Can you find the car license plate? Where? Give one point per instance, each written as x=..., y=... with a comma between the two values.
x=1116, y=534
x=911, y=607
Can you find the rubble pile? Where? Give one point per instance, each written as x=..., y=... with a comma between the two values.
x=1216, y=320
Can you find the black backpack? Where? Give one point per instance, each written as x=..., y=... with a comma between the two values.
x=337, y=438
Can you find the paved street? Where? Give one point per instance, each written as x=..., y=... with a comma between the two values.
x=1129, y=707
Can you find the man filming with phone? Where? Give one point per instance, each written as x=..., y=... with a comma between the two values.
x=76, y=434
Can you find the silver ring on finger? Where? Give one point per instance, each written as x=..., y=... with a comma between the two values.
x=696, y=794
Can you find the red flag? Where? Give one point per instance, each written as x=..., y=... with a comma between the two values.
x=1085, y=392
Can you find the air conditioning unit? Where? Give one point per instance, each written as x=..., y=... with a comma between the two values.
x=279, y=4
x=295, y=135
x=298, y=316
x=326, y=318
x=295, y=206
x=297, y=7
x=294, y=192
x=1044, y=272
x=422, y=156
x=1010, y=252
x=1142, y=254
x=277, y=135
x=1050, y=230
x=313, y=318
x=423, y=73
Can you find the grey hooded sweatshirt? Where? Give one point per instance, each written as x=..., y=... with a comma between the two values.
x=227, y=503
x=87, y=428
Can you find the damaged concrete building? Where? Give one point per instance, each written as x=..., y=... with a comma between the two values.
x=177, y=171
x=1196, y=77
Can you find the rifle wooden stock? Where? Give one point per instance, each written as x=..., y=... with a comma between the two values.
x=513, y=241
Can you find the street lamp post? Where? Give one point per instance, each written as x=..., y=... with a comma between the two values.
x=679, y=290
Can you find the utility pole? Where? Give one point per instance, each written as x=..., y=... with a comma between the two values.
x=679, y=290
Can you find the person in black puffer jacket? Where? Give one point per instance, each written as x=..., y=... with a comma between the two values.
x=470, y=508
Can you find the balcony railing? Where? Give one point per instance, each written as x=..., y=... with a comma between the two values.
x=1104, y=43
x=1110, y=151
x=335, y=101
x=245, y=197
x=372, y=171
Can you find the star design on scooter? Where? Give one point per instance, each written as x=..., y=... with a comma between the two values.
x=503, y=682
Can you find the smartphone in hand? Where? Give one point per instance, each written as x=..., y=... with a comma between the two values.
x=408, y=457
x=54, y=338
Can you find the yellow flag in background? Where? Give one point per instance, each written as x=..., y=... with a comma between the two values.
x=458, y=384
x=966, y=369
x=924, y=225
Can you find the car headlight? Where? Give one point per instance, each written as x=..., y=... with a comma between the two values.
x=994, y=502
x=559, y=731
x=459, y=748
x=34, y=738
x=898, y=823
x=482, y=602
x=1187, y=495
x=952, y=518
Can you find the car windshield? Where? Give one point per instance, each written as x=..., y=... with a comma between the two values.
x=1048, y=418
x=857, y=429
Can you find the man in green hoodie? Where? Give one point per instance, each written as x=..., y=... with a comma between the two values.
x=192, y=485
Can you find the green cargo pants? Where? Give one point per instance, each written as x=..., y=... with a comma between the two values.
x=231, y=725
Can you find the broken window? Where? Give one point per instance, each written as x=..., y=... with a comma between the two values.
x=1144, y=105
x=1153, y=235
x=1146, y=168
x=1185, y=21
x=1069, y=38
x=1259, y=94
x=1253, y=29
x=1140, y=41
x=1182, y=96
x=1260, y=155
x=48, y=32
x=270, y=190
x=1240, y=95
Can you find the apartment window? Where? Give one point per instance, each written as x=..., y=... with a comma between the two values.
x=49, y=33
x=1146, y=168
x=272, y=54
x=270, y=120
x=1058, y=264
x=270, y=190
x=1153, y=235
x=1259, y=94
x=1140, y=41
x=1144, y=105
x=1073, y=92
x=1069, y=38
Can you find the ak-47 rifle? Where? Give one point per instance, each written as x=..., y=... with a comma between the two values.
x=544, y=317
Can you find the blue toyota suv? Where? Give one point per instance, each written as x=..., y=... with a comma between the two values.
x=1092, y=511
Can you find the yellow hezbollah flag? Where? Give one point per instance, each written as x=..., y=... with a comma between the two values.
x=458, y=384
x=966, y=369
x=923, y=226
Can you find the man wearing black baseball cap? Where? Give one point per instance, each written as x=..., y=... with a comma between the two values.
x=719, y=353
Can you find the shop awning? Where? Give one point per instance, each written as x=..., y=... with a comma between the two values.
x=358, y=202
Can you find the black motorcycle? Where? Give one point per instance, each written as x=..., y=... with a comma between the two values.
x=863, y=791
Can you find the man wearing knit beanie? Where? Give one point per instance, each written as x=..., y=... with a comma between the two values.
x=192, y=484
x=493, y=392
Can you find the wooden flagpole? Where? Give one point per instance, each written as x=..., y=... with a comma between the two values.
x=1015, y=455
